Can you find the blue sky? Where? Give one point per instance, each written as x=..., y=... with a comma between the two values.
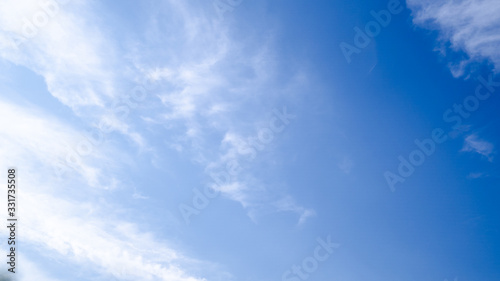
x=241, y=140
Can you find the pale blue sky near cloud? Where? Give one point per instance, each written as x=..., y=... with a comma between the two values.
x=159, y=140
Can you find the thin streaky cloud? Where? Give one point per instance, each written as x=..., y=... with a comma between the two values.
x=473, y=143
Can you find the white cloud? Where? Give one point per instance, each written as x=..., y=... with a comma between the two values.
x=471, y=26
x=70, y=220
x=243, y=187
x=29, y=133
x=211, y=83
x=62, y=42
x=288, y=204
x=61, y=45
x=207, y=79
x=95, y=240
x=476, y=145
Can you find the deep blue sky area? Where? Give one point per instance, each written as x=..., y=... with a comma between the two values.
x=252, y=140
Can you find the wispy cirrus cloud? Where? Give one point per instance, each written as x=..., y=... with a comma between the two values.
x=207, y=79
x=469, y=26
x=71, y=220
x=55, y=44
x=30, y=133
x=213, y=91
x=64, y=42
x=109, y=245
x=474, y=144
